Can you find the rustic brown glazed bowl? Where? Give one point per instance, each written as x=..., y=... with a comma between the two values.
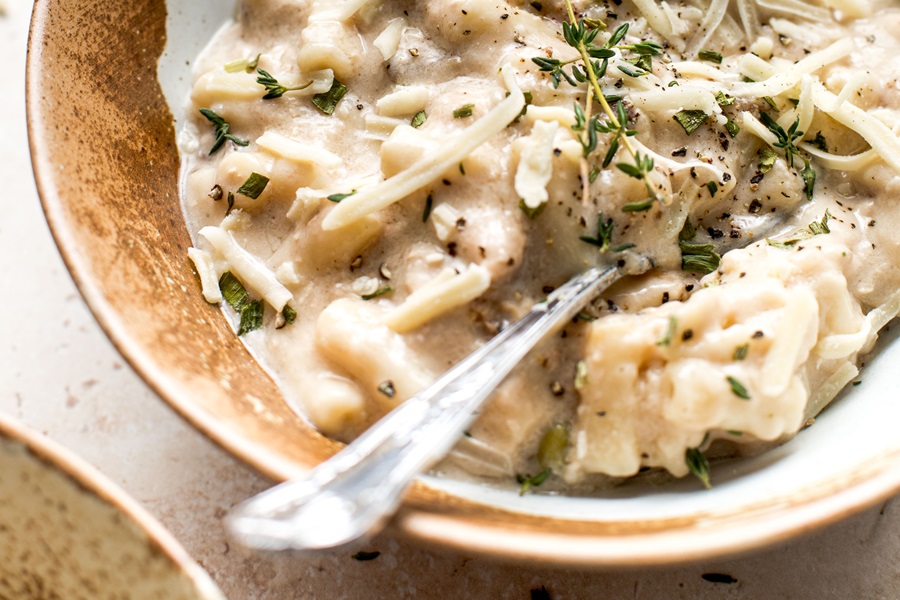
x=106, y=161
x=68, y=532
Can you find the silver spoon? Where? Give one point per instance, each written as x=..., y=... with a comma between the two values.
x=353, y=494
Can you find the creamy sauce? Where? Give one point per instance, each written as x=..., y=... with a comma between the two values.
x=489, y=197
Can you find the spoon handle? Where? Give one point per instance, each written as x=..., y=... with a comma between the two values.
x=353, y=493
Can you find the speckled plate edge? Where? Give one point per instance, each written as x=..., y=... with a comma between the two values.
x=98, y=485
x=444, y=519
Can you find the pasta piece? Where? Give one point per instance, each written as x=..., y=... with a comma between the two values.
x=246, y=267
x=209, y=278
x=884, y=141
x=283, y=146
x=337, y=403
x=329, y=44
x=406, y=100
x=439, y=296
x=563, y=116
x=788, y=78
x=536, y=164
x=388, y=41
x=326, y=249
x=351, y=335
x=432, y=166
x=444, y=219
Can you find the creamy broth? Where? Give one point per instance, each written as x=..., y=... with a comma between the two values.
x=453, y=185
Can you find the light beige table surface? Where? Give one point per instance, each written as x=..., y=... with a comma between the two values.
x=59, y=374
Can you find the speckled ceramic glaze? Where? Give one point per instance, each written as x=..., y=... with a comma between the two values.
x=105, y=156
x=68, y=533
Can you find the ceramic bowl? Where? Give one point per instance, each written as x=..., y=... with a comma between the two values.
x=68, y=532
x=104, y=147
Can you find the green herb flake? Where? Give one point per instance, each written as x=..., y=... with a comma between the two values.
x=233, y=291
x=289, y=314
x=820, y=142
x=418, y=119
x=338, y=197
x=699, y=258
x=735, y=432
x=244, y=64
x=532, y=213
x=222, y=129
x=698, y=465
x=364, y=556
x=604, y=233
x=740, y=353
x=723, y=99
x=710, y=56
x=732, y=128
x=251, y=317
x=526, y=482
x=429, y=204
x=690, y=120
x=639, y=206
x=767, y=158
x=623, y=247
x=768, y=100
x=464, y=111
x=713, y=188
x=254, y=186
x=230, y=203
x=274, y=89
x=808, y=175
x=378, y=293
x=327, y=101
x=737, y=388
x=594, y=174
x=551, y=452
x=666, y=339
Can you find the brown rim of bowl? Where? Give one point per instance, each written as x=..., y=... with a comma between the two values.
x=97, y=484
x=430, y=515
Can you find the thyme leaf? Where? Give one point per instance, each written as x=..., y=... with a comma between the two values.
x=698, y=464
x=222, y=129
x=327, y=101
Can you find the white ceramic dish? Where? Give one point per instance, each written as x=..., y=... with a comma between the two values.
x=849, y=460
x=68, y=532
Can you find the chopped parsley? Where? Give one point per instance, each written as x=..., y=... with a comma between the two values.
x=723, y=99
x=289, y=314
x=814, y=228
x=235, y=294
x=808, y=175
x=690, y=120
x=339, y=197
x=327, y=101
x=254, y=186
x=464, y=111
x=696, y=258
x=222, y=130
x=713, y=188
x=738, y=388
x=767, y=158
x=378, y=293
x=698, y=465
x=418, y=119
x=526, y=482
x=740, y=353
x=710, y=56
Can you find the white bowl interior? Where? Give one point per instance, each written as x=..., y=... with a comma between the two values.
x=855, y=432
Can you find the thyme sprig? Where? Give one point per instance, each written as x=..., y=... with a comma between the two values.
x=273, y=88
x=592, y=65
